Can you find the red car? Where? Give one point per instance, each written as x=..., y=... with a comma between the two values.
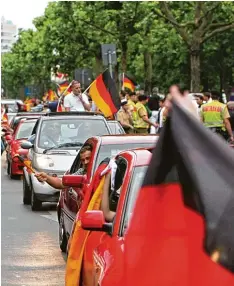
x=104, y=248
x=102, y=147
x=21, y=133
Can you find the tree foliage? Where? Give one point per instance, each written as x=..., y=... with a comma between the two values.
x=155, y=42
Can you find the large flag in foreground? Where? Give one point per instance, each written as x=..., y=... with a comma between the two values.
x=181, y=230
x=105, y=95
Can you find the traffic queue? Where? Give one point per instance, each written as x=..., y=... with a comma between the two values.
x=125, y=218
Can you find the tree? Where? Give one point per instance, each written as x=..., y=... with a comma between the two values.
x=204, y=23
x=70, y=34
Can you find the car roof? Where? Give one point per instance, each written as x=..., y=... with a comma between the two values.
x=74, y=113
x=123, y=138
x=143, y=156
x=10, y=100
x=26, y=114
x=27, y=120
x=63, y=116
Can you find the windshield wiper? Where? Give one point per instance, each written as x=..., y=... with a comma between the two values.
x=68, y=144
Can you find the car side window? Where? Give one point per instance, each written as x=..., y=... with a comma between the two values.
x=76, y=164
x=118, y=181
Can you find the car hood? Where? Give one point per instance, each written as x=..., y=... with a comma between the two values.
x=56, y=161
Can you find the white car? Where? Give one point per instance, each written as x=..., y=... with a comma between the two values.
x=56, y=140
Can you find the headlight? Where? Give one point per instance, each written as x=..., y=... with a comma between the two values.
x=44, y=162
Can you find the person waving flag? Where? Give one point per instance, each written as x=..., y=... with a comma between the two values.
x=181, y=230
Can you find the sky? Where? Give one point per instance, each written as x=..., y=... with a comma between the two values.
x=22, y=12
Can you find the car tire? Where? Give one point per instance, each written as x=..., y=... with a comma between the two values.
x=62, y=234
x=8, y=168
x=26, y=193
x=10, y=171
x=35, y=203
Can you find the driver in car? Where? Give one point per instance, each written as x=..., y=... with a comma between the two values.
x=55, y=182
x=50, y=133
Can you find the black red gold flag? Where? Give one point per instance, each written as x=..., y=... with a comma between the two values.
x=105, y=95
x=181, y=230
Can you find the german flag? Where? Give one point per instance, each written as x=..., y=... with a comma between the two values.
x=92, y=201
x=50, y=95
x=181, y=230
x=128, y=83
x=104, y=93
x=62, y=88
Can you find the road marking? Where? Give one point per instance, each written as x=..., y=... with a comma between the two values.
x=52, y=216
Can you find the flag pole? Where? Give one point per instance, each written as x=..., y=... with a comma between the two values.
x=123, y=82
x=94, y=81
x=66, y=89
x=89, y=86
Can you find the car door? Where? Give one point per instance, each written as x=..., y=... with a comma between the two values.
x=104, y=250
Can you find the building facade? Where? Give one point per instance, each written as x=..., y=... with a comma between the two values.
x=8, y=35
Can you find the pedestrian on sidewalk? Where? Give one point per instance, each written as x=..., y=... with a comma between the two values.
x=142, y=123
x=124, y=116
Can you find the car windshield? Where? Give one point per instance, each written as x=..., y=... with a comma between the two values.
x=115, y=127
x=55, y=132
x=113, y=149
x=12, y=107
x=136, y=182
x=25, y=129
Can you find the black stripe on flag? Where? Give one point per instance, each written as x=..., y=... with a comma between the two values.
x=111, y=87
x=203, y=164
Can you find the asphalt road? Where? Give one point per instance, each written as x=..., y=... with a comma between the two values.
x=30, y=252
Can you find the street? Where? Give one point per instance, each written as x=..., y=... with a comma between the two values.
x=30, y=250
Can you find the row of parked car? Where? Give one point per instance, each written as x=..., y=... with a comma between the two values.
x=52, y=143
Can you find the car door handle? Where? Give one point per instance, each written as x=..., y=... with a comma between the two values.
x=73, y=193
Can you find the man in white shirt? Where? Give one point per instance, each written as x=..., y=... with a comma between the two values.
x=76, y=101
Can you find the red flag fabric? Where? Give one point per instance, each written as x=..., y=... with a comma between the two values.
x=104, y=93
x=128, y=83
x=181, y=228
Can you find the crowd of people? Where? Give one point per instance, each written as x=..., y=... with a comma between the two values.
x=142, y=114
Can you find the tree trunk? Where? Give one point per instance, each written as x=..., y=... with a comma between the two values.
x=124, y=56
x=195, y=71
x=148, y=72
x=98, y=65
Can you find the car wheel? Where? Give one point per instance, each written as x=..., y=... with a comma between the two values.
x=62, y=234
x=35, y=203
x=10, y=172
x=26, y=193
x=8, y=167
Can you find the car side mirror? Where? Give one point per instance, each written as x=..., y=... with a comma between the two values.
x=73, y=180
x=32, y=138
x=95, y=221
x=26, y=145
